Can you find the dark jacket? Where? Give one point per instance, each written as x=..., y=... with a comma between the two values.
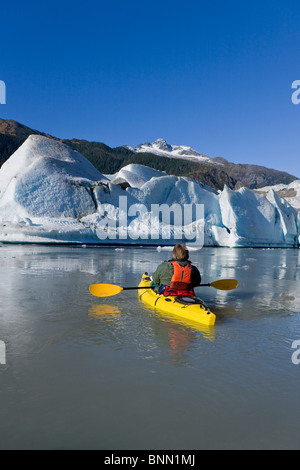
x=164, y=273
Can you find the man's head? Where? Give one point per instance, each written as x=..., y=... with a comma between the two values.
x=180, y=251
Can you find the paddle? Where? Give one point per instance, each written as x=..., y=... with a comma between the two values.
x=107, y=290
x=222, y=284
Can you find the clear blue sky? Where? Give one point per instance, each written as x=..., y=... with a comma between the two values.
x=214, y=75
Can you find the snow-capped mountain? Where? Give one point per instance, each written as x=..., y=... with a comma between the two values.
x=226, y=173
x=162, y=148
x=213, y=171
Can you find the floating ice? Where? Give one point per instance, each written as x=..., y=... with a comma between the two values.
x=52, y=194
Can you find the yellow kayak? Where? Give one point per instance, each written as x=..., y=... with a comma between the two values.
x=191, y=309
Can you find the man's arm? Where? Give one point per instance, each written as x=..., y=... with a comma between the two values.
x=196, y=276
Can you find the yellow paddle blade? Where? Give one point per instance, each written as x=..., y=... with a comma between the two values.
x=225, y=284
x=104, y=290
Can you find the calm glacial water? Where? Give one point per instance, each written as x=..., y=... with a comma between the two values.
x=87, y=373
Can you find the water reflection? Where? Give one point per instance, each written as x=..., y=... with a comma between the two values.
x=182, y=336
x=178, y=340
x=63, y=344
x=104, y=311
x=207, y=332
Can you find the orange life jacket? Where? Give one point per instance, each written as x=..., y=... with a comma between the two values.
x=181, y=280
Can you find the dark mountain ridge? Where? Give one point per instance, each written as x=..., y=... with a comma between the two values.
x=109, y=160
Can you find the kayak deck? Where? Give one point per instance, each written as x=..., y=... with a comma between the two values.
x=191, y=309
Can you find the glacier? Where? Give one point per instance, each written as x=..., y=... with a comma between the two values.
x=50, y=193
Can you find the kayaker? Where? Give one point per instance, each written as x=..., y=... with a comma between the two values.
x=177, y=276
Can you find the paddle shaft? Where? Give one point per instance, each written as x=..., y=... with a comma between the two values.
x=130, y=288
